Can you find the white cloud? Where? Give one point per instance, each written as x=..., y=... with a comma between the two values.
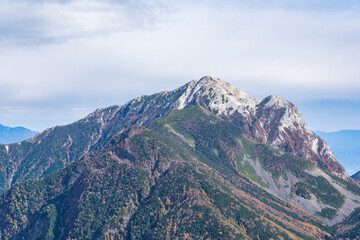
x=105, y=52
x=38, y=22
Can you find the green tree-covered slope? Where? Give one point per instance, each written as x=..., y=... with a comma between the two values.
x=149, y=183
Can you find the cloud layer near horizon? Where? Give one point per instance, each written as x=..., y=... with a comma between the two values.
x=90, y=53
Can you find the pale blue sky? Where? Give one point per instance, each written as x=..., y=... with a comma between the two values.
x=61, y=59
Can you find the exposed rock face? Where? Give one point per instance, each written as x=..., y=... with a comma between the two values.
x=219, y=97
x=274, y=120
x=280, y=124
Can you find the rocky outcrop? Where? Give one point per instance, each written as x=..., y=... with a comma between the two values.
x=279, y=123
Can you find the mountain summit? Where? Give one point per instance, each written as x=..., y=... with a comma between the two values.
x=218, y=96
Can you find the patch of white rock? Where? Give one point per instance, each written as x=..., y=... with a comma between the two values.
x=224, y=98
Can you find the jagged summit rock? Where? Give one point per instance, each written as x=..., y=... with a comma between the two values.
x=280, y=123
x=219, y=96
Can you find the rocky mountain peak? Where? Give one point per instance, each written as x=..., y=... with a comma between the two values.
x=274, y=120
x=219, y=96
x=291, y=118
x=276, y=102
x=279, y=123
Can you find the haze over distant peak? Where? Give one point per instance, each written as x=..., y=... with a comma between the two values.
x=346, y=146
x=13, y=135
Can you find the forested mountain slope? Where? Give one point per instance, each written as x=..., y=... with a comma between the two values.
x=203, y=161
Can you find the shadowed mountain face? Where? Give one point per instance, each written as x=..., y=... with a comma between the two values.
x=203, y=161
x=10, y=135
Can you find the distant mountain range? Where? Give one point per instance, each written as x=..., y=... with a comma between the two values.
x=346, y=146
x=204, y=161
x=14, y=135
x=356, y=176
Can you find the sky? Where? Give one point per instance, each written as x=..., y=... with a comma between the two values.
x=62, y=59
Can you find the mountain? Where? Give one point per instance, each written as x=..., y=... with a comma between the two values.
x=272, y=121
x=356, y=176
x=203, y=161
x=346, y=147
x=13, y=135
x=182, y=177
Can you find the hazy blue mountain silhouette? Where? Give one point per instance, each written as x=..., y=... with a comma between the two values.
x=13, y=135
x=346, y=147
